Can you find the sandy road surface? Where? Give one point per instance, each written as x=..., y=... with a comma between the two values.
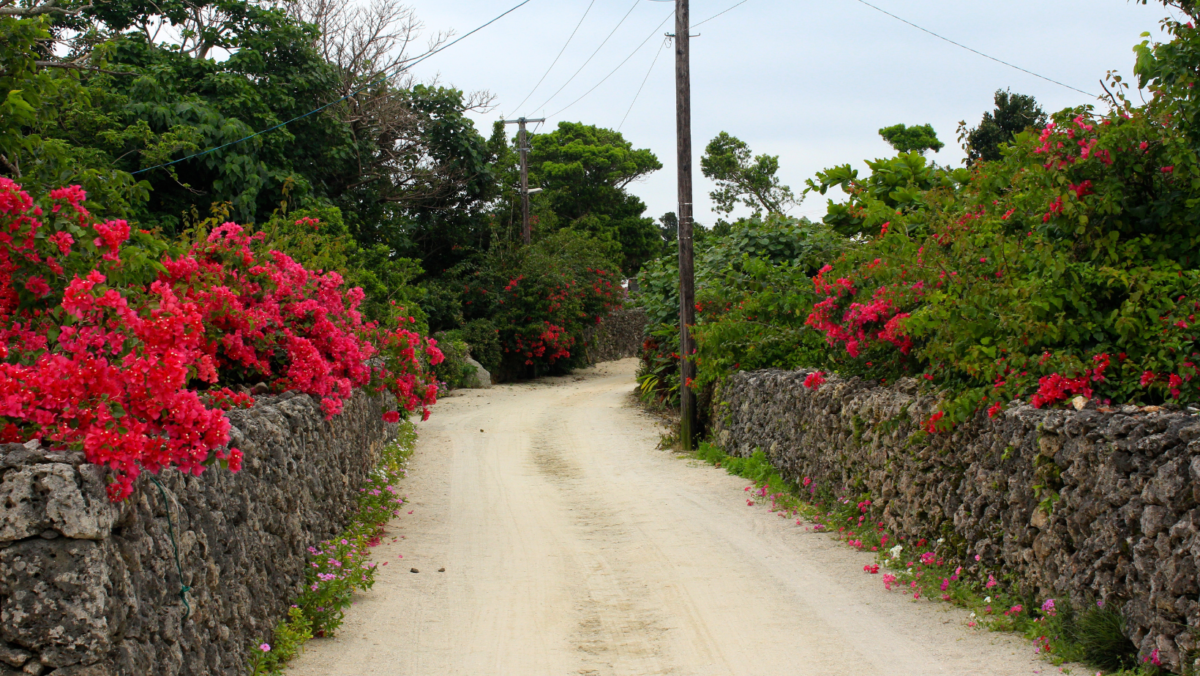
x=573, y=547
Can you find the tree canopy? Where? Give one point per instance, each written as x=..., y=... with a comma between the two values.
x=916, y=139
x=1014, y=114
x=584, y=171
x=743, y=178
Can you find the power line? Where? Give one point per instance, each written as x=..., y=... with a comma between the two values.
x=409, y=64
x=589, y=59
x=560, y=53
x=652, y=63
x=614, y=70
x=976, y=51
x=719, y=14
x=644, y=80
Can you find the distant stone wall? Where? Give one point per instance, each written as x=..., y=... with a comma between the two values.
x=618, y=336
x=88, y=588
x=1085, y=504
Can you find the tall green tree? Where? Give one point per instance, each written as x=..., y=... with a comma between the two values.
x=915, y=139
x=1014, y=114
x=585, y=171
x=743, y=178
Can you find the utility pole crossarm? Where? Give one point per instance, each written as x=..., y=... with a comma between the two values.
x=523, y=148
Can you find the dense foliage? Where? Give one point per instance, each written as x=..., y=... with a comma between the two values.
x=108, y=350
x=746, y=282
x=1014, y=114
x=537, y=301
x=410, y=197
x=1068, y=267
x=914, y=139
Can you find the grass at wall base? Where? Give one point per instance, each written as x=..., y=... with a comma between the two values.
x=341, y=565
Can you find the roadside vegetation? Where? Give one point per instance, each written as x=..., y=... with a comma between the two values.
x=1060, y=266
x=1066, y=266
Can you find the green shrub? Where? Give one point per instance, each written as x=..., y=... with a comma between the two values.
x=752, y=294
x=1100, y=635
x=484, y=340
x=454, y=369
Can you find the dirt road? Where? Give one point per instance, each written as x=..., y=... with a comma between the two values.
x=572, y=546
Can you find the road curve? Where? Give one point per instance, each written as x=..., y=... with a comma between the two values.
x=571, y=546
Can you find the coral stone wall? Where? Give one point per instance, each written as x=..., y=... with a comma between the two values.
x=89, y=588
x=618, y=336
x=1090, y=505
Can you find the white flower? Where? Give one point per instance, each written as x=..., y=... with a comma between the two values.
x=895, y=551
x=972, y=614
x=941, y=540
x=987, y=599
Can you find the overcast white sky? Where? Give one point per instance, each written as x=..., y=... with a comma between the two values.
x=809, y=81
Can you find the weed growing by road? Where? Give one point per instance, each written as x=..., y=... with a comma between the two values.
x=340, y=566
x=932, y=570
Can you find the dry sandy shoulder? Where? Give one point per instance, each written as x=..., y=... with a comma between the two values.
x=572, y=546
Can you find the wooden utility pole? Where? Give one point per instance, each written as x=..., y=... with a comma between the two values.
x=523, y=148
x=687, y=281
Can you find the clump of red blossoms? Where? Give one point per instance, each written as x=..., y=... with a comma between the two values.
x=99, y=352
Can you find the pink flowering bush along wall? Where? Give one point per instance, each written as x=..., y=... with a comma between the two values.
x=110, y=341
x=1066, y=269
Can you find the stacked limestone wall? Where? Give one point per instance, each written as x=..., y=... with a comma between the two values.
x=618, y=336
x=1088, y=504
x=88, y=588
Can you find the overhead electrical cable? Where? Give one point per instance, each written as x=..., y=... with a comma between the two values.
x=644, y=80
x=560, y=53
x=589, y=59
x=407, y=65
x=975, y=51
x=697, y=25
x=614, y=70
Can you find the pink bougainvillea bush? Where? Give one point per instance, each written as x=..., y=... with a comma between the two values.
x=1066, y=270
x=113, y=344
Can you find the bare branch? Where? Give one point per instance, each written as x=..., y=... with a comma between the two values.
x=480, y=102
x=16, y=170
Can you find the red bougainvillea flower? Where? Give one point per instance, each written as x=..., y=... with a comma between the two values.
x=128, y=372
x=814, y=380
